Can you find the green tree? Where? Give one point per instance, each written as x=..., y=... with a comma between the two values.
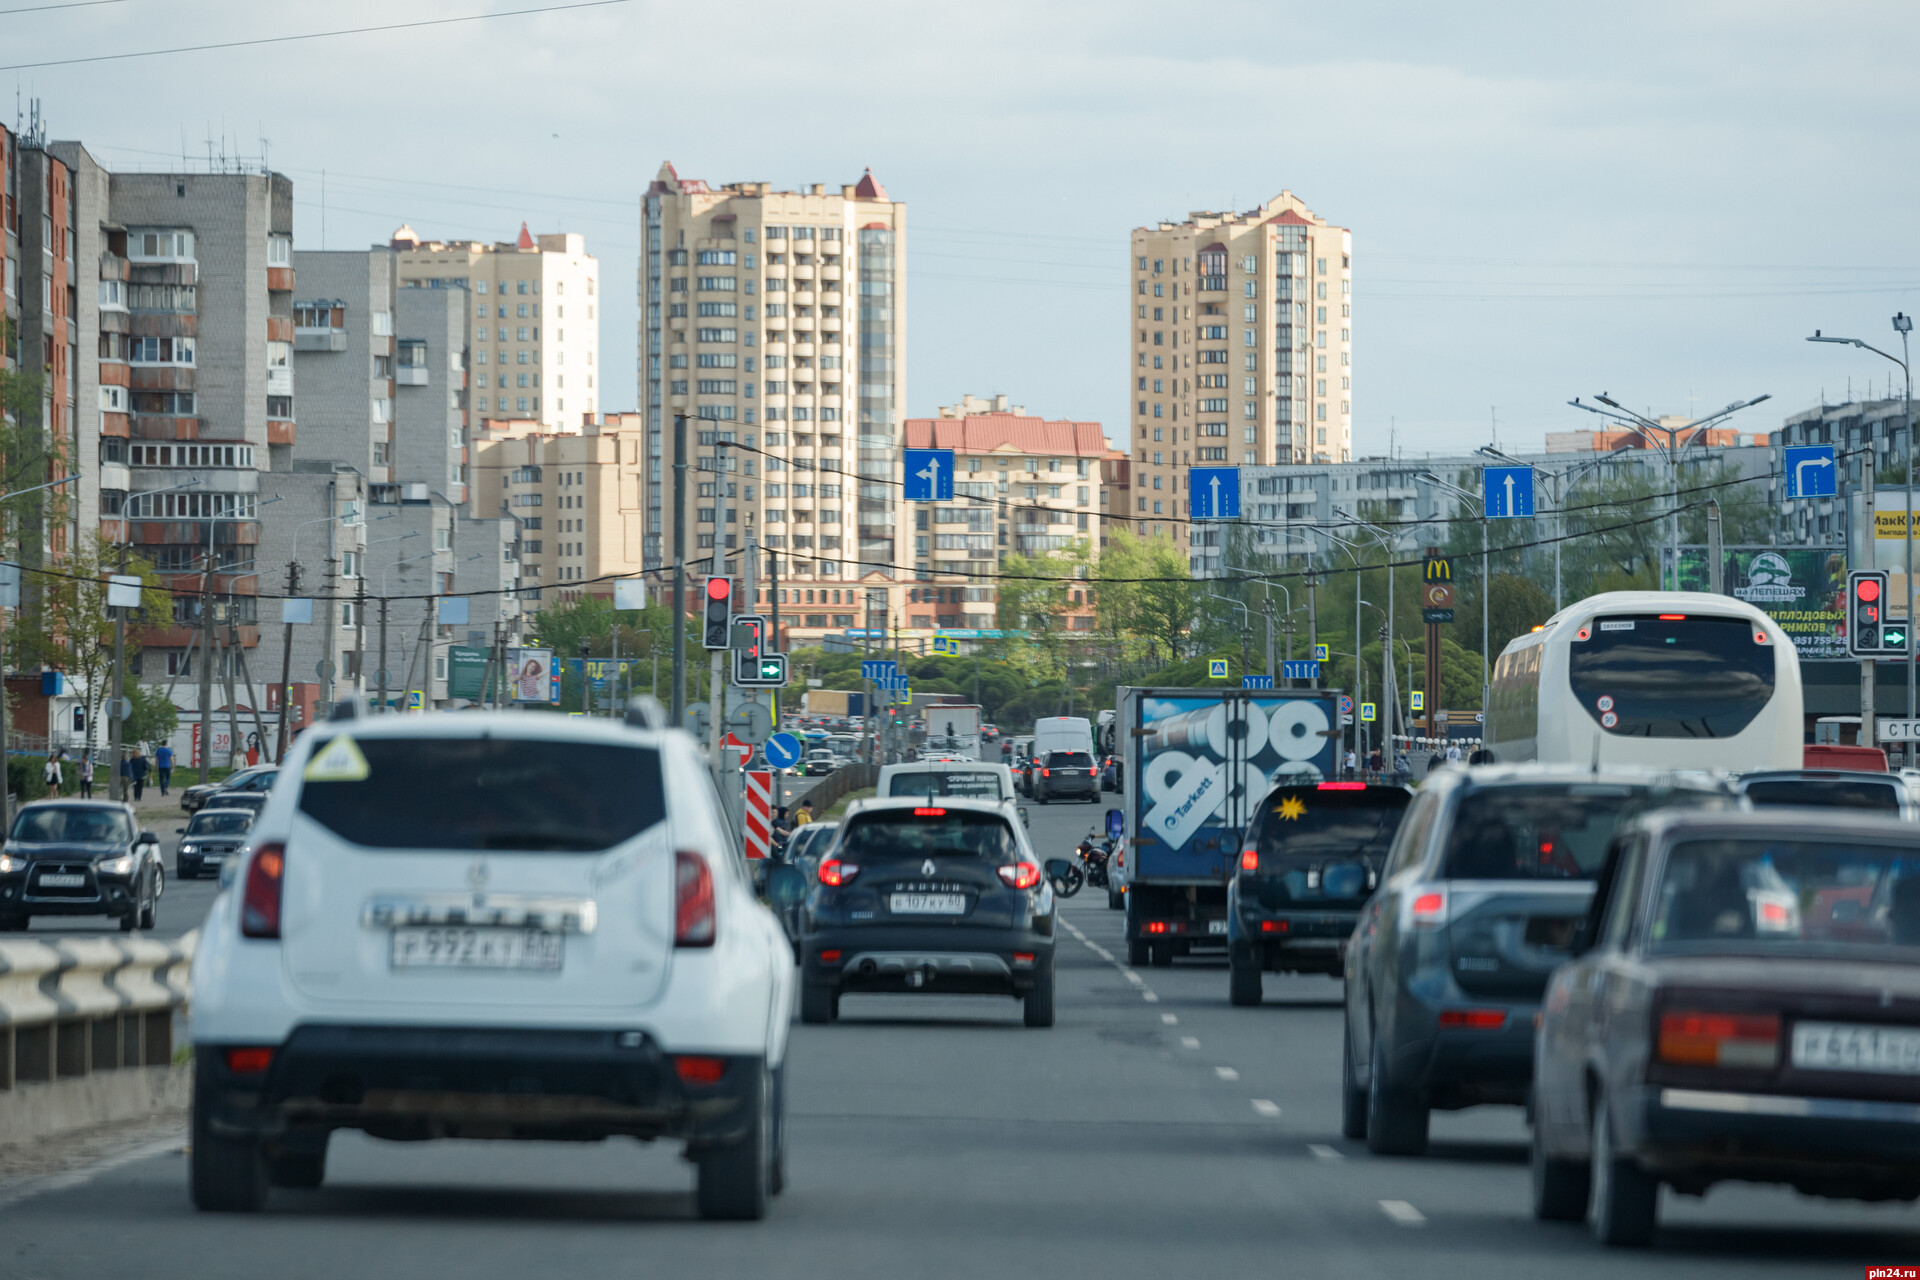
x=154, y=716
x=76, y=627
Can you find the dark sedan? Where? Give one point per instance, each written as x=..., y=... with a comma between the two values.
x=1744, y=1005
x=213, y=836
x=258, y=778
x=79, y=858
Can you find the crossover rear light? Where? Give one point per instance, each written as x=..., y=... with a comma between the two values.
x=1020, y=875
x=1475, y=1019
x=1673, y=617
x=693, y=911
x=929, y=813
x=1250, y=859
x=699, y=1069
x=834, y=873
x=249, y=1062
x=1430, y=908
x=1698, y=1039
x=1275, y=926
x=260, y=900
x=1046, y=773
x=1023, y=957
x=1341, y=786
x=830, y=956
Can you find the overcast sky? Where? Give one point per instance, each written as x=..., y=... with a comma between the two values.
x=1659, y=200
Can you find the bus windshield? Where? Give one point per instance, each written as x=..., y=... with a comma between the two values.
x=1671, y=676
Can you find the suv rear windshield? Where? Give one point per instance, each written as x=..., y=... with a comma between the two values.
x=1549, y=831
x=463, y=794
x=1303, y=828
x=1069, y=760
x=1666, y=676
x=977, y=784
x=898, y=834
x=1826, y=793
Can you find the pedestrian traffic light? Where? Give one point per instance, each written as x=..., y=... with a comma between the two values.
x=717, y=633
x=1870, y=634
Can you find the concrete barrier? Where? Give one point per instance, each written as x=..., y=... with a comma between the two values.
x=86, y=1031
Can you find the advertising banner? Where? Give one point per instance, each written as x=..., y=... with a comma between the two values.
x=1803, y=589
x=466, y=671
x=535, y=678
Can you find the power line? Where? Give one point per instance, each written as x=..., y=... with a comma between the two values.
x=310, y=35
x=72, y=4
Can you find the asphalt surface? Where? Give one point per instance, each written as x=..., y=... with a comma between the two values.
x=1154, y=1131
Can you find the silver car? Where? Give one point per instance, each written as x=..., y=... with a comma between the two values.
x=1491, y=873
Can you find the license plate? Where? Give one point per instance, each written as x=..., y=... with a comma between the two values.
x=52, y=881
x=475, y=948
x=1216, y=926
x=1833, y=1046
x=928, y=904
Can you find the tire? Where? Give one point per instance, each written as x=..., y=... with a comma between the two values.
x=777, y=1179
x=1353, y=1098
x=1560, y=1187
x=227, y=1175
x=1136, y=952
x=1160, y=955
x=1116, y=900
x=181, y=873
x=1625, y=1201
x=300, y=1163
x=1037, y=1007
x=128, y=920
x=148, y=912
x=1039, y=799
x=1069, y=884
x=735, y=1181
x=819, y=1005
x=1396, y=1120
x=1243, y=986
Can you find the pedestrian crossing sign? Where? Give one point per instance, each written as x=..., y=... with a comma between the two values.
x=1319, y=653
x=1419, y=700
x=1216, y=668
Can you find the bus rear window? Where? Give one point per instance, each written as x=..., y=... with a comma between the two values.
x=1653, y=676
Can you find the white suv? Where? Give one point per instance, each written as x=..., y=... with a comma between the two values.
x=490, y=925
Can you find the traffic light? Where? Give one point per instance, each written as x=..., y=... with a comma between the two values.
x=719, y=614
x=1870, y=634
x=763, y=671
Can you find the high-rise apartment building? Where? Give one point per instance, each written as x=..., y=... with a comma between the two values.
x=535, y=317
x=1242, y=349
x=773, y=321
x=579, y=499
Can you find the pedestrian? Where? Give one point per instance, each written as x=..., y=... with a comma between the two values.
x=163, y=767
x=126, y=775
x=138, y=768
x=804, y=816
x=85, y=774
x=1435, y=760
x=1453, y=753
x=51, y=775
x=1375, y=763
x=1352, y=762
x=1402, y=767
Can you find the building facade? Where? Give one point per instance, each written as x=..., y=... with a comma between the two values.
x=577, y=499
x=530, y=357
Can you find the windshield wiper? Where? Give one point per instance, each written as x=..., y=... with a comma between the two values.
x=535, y=841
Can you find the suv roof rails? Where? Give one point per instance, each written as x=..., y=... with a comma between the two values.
x=645, y=712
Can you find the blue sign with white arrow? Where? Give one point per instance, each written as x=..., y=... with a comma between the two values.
x=1214, y=493
x=878, y=669
x=929, y=475
x=1507, y=492
x=1300, y=670
x=1256, y=682
x=782, y=751
x=1811, y=472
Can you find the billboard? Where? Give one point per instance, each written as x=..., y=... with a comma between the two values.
x=466, y=671
x=1803, y=589
x=535, y=678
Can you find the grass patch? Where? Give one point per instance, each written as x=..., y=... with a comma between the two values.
x=839, y=809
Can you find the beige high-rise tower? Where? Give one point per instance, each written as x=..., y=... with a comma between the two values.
x=535, y=318
x=1242, y=347
x=774, y=321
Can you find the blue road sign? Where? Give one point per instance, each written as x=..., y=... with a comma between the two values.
x=1507, y=492
x=782, y=751
x=1366, y=712
x=929, y=475
x=1346, y=705
x=1319, y=653
x=1214, y=493
x=1216, y=668
x=881, y=669
x=1300, y=670
x=1256, y=682
x=1811, y=472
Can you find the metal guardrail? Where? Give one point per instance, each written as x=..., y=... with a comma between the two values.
x=78, y=1006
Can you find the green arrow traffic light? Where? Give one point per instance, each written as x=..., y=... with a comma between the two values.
x=1893, y=638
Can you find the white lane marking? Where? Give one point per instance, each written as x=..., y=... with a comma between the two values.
x=1146, y=993
x=1226, y=1073
x=1149, y=997
x=1189, y=1042
x=1267, y=1107
x=1403, y=1213
x=1321, y=1151
x=1169, y=1019
x=79, y=1177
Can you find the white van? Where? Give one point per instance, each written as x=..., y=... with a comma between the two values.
x=971, y=779
x=1061, y=733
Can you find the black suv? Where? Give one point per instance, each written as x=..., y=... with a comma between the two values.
x=258, y=778
x=913, y=897
x=79, y=858
x=1311, y=858
x=1066, y=775
x=210, y=839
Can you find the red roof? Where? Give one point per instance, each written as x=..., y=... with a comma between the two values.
x=869, y=188
x=526, y=238
x=985, y=432
x=1289, y=217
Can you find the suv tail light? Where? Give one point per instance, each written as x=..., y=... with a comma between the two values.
x=1474, y=1019
x=1020, y=875
x=1046, y=773
x=834, y=873
x=693, y=919
x=260, y=901
x=1250, y=858
x=1697, y=1039
x=1430, y=908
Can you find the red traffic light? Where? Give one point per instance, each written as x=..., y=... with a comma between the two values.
x=1866, y=589
x=719, y=588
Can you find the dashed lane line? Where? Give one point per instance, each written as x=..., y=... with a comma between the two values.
x=1226, y=1073
x=1321, y=1151
x=1170, y=1019
x=1267, y=1107
x=1402, y=1213
x=1189, y=1042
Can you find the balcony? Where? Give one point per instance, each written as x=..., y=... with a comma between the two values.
x=279, y=329
x=279, y=279
x=279, y=431
x=410, y=375
x=831, y=324
x=279, y=382
x=830, y=273
x=320, y=339
x=803, y=272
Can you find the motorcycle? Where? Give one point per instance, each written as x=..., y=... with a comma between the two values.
x=1094, y=855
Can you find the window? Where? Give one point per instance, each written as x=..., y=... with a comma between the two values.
x=717, y=284
x=717, y=335
x=382, y=324
x=155, y=243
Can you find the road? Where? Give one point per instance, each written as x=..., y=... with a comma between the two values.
x=1154, y=1131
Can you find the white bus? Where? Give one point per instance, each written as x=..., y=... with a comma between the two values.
x=1659, y=679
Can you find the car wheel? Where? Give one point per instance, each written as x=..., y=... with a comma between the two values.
x=1160, y=955
x=1396, y=1120
x=777, y=1178
x=1243, y=985
x=129, y=920
x=1560, y=1187
x=150, y=910
x=735, y=1180
x=1137, y=953
x=1116, y=900
x=1038, y=1004
x=299, y=1162
x=818, y=1004
x=227, y=1175
x=184, y=872
x=1625, y=1200
x=1040, y=797
x=1353, y=1098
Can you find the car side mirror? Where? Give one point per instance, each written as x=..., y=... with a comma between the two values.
x=1026, y=819
x=1116, y=824
x=147, y=837
x=786, y=885
x=1058, y=869
x=179, y=831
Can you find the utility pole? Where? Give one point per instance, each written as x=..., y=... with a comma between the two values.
x=114, y=722
x=1868, y=729
x=678, y=715
x=360, y=637
x=383, y=650
x=230, y=638
x=206, y=666
x=328, y=637
x=286, y=667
